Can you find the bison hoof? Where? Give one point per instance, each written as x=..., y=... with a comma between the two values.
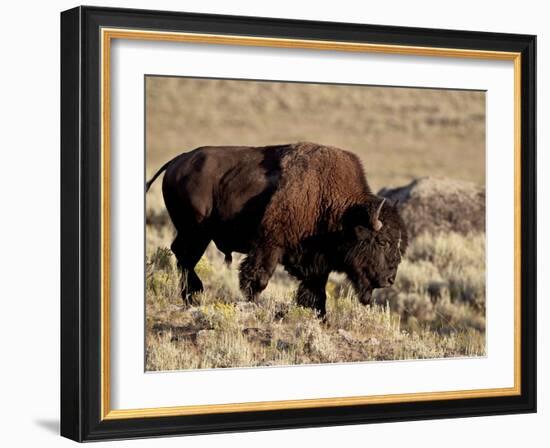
x=189, y=298
x=251, y=289
x=186, y=301
x=250, y=295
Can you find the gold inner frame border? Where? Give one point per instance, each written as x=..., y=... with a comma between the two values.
x=107, y=35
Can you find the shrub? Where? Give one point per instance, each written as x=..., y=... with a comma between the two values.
x=434, y=310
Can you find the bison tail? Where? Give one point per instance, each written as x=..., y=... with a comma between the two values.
x=157, y=174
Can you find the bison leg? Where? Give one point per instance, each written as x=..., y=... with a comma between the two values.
x=188, y=252
x=256, y=270
x=311, y=293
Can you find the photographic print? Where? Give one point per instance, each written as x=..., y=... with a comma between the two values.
x=255, y=201
x=292, y=223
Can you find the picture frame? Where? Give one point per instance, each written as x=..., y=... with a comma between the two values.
x=86, y=208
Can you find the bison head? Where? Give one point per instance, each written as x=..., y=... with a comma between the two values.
x=375, y=241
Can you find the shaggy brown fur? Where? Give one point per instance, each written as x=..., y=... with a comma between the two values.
x=316, y=187
x=304, y=205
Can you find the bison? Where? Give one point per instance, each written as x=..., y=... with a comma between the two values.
x=304, y=205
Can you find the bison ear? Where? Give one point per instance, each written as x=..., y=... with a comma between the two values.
x=361, y=232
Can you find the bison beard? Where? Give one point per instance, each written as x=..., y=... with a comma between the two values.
x=305, y=206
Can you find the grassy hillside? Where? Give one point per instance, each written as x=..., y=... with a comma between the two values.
x=400, y=133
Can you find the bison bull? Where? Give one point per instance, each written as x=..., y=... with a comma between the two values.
x=305, y=206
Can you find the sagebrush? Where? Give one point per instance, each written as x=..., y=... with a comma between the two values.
x=436, y=309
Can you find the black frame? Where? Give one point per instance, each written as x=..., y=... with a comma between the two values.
x=81, y=223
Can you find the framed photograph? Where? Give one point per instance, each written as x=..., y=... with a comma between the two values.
x=274, y=223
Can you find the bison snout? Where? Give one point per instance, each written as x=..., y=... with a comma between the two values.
x=386, y=282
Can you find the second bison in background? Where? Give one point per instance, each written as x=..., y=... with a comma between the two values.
x=306, y=206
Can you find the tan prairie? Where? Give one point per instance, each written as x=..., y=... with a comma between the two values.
x=400, y=133
x=437, y=307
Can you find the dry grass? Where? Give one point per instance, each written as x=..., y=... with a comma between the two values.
x=428, y=314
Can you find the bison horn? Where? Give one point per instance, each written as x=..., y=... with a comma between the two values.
x=376, y=223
